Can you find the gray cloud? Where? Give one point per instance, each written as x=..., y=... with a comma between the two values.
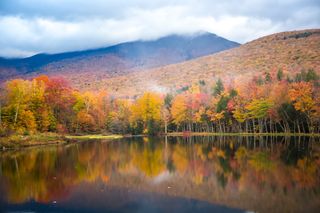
x=28, y=27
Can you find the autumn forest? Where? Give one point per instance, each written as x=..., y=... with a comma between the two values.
x=272, y=102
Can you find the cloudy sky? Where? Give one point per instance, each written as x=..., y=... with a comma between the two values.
x=28, y=27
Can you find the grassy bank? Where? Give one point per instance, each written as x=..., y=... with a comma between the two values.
x=240, y=134
x=20, y=141
x=93, y=137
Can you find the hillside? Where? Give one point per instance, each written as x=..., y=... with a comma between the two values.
x=291, y=51
x=131, y=74
x=119, y=59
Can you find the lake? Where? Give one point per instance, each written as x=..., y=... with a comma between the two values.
x=173, y=174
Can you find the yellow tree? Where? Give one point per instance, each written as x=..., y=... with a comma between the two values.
x=38, y=105
x=216, y=117
x=18, y=93
x=239, y=114
x=258, y=109
x=147, y=109
x=83, y=106
x=180, y=112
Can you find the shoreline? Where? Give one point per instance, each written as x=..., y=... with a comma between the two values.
x=46, y=139
x=280, y=134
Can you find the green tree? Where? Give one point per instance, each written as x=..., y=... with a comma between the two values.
x=280, y=75
x=268, y=77
x=311, y=76
x=219, y=88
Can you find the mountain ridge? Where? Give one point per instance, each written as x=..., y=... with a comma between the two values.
x=136, y=54
x=290, y=51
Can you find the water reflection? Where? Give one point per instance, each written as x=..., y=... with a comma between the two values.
x=257, y=174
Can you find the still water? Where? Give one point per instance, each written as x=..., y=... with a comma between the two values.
x=174, y=174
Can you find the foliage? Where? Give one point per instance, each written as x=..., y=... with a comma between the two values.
x=50, y=104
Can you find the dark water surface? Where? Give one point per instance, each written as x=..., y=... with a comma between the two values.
x=196, y=174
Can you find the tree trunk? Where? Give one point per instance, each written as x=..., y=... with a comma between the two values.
x=246, y=126
x=220, y=129
x=253, y=125
x=165, y=126
x=298, y=126
x=260, y=126
x=16, y=114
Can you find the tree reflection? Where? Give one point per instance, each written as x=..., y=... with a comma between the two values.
x=206, y=168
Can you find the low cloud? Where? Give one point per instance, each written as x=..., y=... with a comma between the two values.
x=34, y=26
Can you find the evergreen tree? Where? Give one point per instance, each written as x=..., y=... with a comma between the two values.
x=280, y=75
x=219, y=88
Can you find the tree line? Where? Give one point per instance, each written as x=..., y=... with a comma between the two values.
x=268, y=103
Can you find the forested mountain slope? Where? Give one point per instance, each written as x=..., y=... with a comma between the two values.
x=119, y=59
x=289, y=51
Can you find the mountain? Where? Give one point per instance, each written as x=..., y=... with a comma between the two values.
x=290, y=51
x=119, y=59
x=131, y=68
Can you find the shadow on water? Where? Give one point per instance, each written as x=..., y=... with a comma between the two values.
x=191, y=174
x=133, y=202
